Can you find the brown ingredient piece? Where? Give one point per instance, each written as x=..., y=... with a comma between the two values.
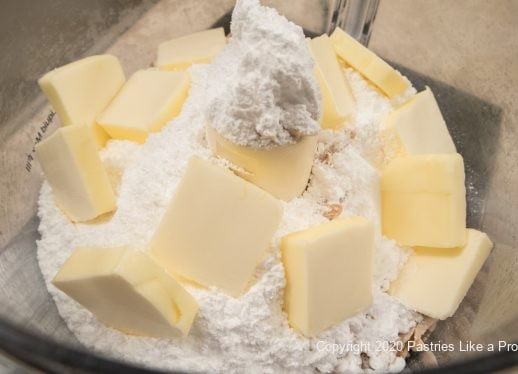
x=325, y=158
x=419, y=334
x=426, y=326
x=333, y=212
x=326, y=155
x=365, y=360
x=405, y=338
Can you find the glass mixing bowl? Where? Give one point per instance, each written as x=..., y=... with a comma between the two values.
x=466, y=52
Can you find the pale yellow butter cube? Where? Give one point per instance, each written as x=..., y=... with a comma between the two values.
x=283, y=171
x=377, y=71
x=216, y=229
x=147, y=101
x=435, y=280
x=424, y=200
x=328, y=273
x=418, y=127
x=125, y=289
x=197, y=48
x=72, y=166
x=81, y=90
x=337, y=98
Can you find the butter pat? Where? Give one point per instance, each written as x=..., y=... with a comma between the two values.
x=81, y=90
x=197, y=48
x=216, y=228
x=337, y=98
x=125, y=289
x=283, y=171
x=147, y=101
x=424, y=201
x=72, y=166
x=435, y=280
x=377, y=71
x=328, y=273
x=418, y=126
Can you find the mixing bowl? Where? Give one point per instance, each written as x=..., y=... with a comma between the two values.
x=467, y=52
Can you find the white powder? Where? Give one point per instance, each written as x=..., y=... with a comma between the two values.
x=261, y=89
x=249, y=333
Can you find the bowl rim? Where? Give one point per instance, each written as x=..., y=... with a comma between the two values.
x=37, y=352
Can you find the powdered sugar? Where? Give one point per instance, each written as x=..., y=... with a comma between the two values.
x=249, y=333
x=261, y=90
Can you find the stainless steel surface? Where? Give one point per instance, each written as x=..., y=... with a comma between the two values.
x=354, y=16
x=9, y=367
x=468, y=54
x=37, y=36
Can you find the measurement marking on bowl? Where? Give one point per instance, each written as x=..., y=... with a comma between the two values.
x=38, y=138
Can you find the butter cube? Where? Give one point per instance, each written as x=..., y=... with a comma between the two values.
x=337, y=98
x=435, y=280
x=81, y=90
x=424, y=200
x=418, y=127
x=125, y=289
x=147, y=101
x=216, y=228
x=283, y=171
x=197, y=48
x=328, y=273
x=373, y=68
x=71, y=163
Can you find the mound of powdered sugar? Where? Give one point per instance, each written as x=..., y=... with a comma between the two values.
x=249, y=333
x=261, y=90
